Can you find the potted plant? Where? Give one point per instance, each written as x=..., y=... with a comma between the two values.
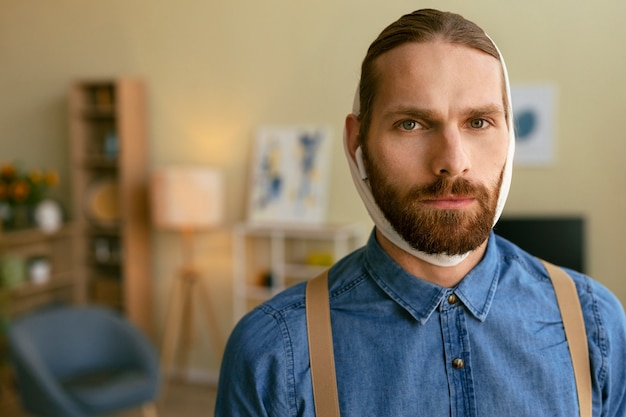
x=20, y=193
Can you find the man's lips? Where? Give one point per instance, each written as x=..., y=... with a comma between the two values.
x=449, y=202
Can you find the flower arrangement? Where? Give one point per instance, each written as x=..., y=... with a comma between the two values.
x=24, y=187
x=20, y=192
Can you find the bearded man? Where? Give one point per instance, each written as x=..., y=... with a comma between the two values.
x=436, y=316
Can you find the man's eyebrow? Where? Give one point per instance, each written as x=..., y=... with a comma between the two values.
x=428, y=114
x=490, y=109
x=409, y=111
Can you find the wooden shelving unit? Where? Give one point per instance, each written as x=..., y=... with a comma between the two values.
x=268, y=259
x=109, y=182
x=21, y=293
x=63, y=284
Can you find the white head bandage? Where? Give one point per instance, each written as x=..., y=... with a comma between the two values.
x=362, y=185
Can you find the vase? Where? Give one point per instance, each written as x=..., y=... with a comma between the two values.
x=20, y=217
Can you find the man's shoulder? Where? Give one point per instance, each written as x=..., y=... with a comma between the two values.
x=262, y=334
x=597, y=301
x=267, y=318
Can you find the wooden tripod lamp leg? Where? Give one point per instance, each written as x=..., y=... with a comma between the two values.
x=205, y=300
x=149, y=410
x=180, y=312
x=171, y=333
x=178, y=306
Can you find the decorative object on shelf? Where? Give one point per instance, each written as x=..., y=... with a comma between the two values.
x=20, y=216
x=39, y=269
x=102, y=250
x=20, y=192
x=186, y=199
x=102, y=202
x=320, y=258
x=111, y=145
x=103, y=98
x=106, y=250
x=12, y=271
x=48, y=216
x=289, y=177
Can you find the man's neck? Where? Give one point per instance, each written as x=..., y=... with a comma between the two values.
x=448, y=276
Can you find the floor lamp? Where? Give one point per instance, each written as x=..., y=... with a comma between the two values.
x=186, y=200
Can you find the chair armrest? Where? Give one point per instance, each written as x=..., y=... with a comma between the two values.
x=44, y=393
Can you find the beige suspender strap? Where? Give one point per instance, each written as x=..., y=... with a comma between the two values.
x=322, y=358
x=573, y=322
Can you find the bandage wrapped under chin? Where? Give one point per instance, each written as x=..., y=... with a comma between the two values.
x=359, y=177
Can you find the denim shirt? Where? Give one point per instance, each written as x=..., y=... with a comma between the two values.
x=494, y=346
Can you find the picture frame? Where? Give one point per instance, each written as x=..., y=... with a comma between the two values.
x=289, y=175
x=534, y=110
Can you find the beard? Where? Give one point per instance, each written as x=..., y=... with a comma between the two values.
x=433, y=230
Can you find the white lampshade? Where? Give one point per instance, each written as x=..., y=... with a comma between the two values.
x=187, y=198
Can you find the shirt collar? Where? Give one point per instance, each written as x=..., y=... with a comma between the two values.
x=420, y=298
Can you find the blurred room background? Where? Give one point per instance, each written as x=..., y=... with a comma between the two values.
x=214, y=72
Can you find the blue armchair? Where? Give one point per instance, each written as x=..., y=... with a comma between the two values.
x=82, y=361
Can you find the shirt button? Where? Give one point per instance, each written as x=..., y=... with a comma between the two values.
x=452, y=299
x=458, y=363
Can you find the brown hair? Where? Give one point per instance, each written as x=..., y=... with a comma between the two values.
x=424, y=25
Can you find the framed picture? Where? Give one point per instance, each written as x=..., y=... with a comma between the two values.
x=289, y=175
x=534, y=108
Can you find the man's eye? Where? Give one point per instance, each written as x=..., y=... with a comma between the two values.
x=409, y=125
x=478, y=123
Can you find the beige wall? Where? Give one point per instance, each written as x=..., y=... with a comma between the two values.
x=218, y=69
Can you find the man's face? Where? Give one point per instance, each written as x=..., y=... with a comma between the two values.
x=437, y=144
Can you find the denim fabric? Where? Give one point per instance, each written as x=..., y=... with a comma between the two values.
x=493, y=346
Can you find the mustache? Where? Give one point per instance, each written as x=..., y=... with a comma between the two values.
x=445, y=186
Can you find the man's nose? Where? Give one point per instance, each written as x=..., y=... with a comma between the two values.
x=450, y=158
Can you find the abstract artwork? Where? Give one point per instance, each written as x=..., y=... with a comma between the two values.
x=533, y=110
x=289, y=175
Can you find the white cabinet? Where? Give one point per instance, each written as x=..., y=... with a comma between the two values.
x=269, y=259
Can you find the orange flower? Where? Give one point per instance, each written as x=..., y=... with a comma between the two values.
x=20, y=190
x=51, y=178
x=7, y=171
x=35, y=176
x=25, y=187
